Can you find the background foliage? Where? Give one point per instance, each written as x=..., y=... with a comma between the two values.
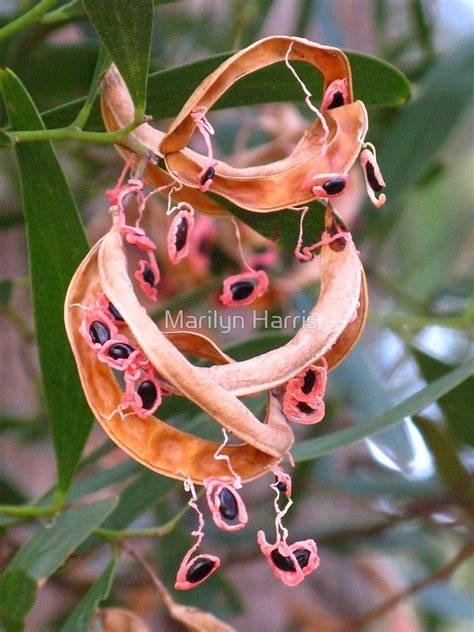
x=392, y=514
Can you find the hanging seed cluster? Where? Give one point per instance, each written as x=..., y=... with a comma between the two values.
x=111, y=332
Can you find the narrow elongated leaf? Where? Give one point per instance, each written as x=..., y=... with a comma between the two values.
x=125, y=29
x=282, y=226
x=56, y=245
x=457, y=405
x=375, y=82
x=412, y=143
x=40, y=557
x=85, y=609
x=315, y=448
x=450, y=467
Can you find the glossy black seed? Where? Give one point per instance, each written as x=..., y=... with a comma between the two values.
x=120, y=351
x=337, y=100
x=115, y=313
x=199, y=569
x=309, y=382
x=99, y=332
x=242, y=290
x=302, y=557
x=335, y=185
x=181, y=234
x=303, y=406
x=372, y=178
x=148, y=276
x=280, y=485
x=228, y=507
x=148, y=394
x=283, y=563
x=207, y=175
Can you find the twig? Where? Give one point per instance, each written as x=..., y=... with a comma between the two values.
x=443, y=573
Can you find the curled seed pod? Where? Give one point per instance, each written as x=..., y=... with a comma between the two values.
x=149, y=440
x=343, y=293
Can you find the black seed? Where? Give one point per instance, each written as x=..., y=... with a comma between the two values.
x=302, y=557
x=280, y=485
x=148, y=394
x=335, y=185
x=207, y=175
x=148, y=276
x=242, y=290
x=303, y=406
x=181, y=234
x=309, y=382
x=200, y=569
x=337, y=100
x=99, y=332
x=114, y=311
x=283, y=563
x=120, y=351
x=228, y=507
x=372, y=178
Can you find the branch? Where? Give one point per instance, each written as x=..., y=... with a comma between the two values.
x=443, y=573
x=27, y=19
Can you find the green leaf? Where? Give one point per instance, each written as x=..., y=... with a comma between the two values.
x=320, y=446
x=56, y=246
x=456, y=405
x=448, y=463
x=281, y=226
x=413, y=142
x=375, y=82
x=6, y=288
x=125, y=29
x=47, y=549
x=17, y=597
x=80, y=617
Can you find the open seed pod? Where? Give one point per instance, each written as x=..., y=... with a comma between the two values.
x=332, y=328
x=117, y=112
x=150, y=441
x=287, y=182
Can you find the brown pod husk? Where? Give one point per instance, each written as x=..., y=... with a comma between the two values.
x=343, y=296
x=151, y=441
x=284, y=183
x=117, y=112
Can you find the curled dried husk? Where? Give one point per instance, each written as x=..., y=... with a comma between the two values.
x=331, y=330
x=150, y=441
x=284, y=183
x=117, y=112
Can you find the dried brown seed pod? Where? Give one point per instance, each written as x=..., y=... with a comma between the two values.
x=150, y=441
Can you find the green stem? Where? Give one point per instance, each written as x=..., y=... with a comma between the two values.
x=66, y=12
x=73, y=133
x=33, y=511
x=27, y=19
x=153, y=532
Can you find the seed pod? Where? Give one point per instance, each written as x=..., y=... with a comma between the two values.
x=150, y=441
x=278, y=185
